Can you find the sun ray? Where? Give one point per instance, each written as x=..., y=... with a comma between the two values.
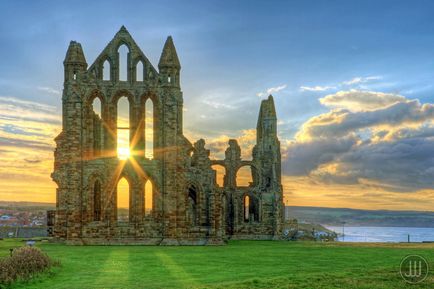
x=112, y=184
x=138, y=169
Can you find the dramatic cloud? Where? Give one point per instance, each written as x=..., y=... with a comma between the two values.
x=304, y=157
x=381, y=141
x=25, y=104
x=14, y=109
x=369, y=150
x=404, y=165
x=356, y=100
x=307, y=191
x=246, y=140
x=27, y=130
x=341, y=122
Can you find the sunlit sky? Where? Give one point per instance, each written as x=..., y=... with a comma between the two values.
x=353, y=83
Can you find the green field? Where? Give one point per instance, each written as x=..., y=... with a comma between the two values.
x=240, y=264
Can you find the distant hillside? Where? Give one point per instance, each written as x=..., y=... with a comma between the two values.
x=26, y=206
x=352, y=217
x=313, y=215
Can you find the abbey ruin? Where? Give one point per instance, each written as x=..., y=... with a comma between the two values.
x=187, y=206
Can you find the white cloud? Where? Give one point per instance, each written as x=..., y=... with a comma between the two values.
x=390, y=144
x=316, y=88
x=272, y=90
x=9, y=100
x=27, y=131
x=48, y=89
x=218, y=105
x=360, y=80
x=341, y=122
x=360, y=100
x=356, y=81
x=14, y=109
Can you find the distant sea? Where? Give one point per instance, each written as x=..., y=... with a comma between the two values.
x=383, y=234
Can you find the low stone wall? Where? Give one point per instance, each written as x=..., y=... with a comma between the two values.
x=23, y=232
x=255, y=237
x=144, y=241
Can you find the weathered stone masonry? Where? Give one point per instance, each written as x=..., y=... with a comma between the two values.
x=189, y=207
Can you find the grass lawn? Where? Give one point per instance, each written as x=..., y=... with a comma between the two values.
x=240, y=264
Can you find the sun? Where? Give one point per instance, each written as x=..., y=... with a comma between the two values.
x=123, y=153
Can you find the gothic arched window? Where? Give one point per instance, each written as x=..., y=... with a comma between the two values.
x=123, y=200
x=123, y=52
x=149, y=129
x=123, y=128
x=98, y=127
x=148, y=198
x=139, y=71
x=106, y=70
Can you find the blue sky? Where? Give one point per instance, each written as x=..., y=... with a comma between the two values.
x=241, y=46
x=233, y=51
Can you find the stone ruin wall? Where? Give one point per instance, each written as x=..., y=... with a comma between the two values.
x=188, y=206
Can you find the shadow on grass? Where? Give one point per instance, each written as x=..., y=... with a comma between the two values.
x=241, y=264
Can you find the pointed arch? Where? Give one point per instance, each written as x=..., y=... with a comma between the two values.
x=97, y=126
x=122, y=93
x=148, y=198
x=106, y=70
x=123, y=199
x=97, y=106
x=123, y=128
x=149, y=129
x=95, y=93
x=123, y=57
x=140, y=71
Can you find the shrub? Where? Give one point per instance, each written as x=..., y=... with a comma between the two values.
x=23, y=264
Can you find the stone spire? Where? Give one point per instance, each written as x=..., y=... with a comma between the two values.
x=271, y=109
x=169, y=57
x=267, y=149
x=75, y=54
x=75, y=62
x=169, y=66
x=267, y=120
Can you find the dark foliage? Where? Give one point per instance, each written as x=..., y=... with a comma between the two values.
x=23, y=264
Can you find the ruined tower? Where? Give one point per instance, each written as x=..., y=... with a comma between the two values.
x=173, y=195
